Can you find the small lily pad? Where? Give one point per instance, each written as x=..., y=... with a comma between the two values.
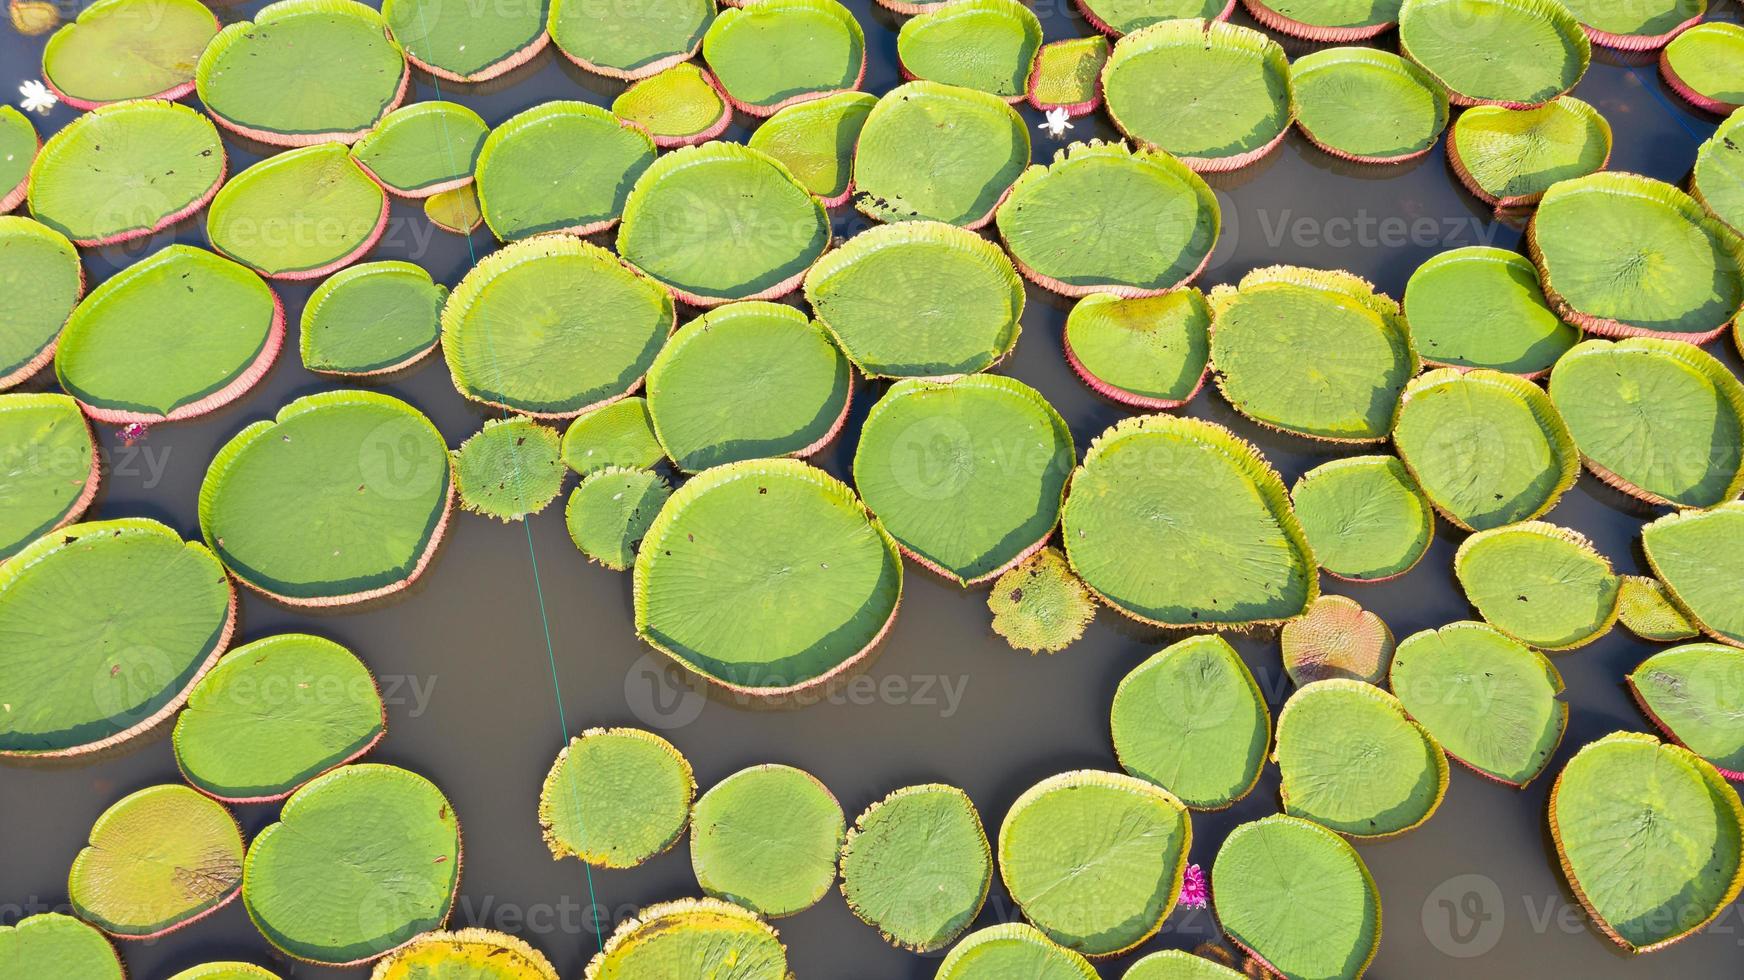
x=1483, y=307
x=1698, y=556
x=620, y=433
x=1701, y=65
x=1298, y=897
x=1193, y=720
x=1539, y=583
x=466, y=954
x=1367, y=105
x=768, y=838
x=692, y=936
x=917, y=866
x=815, y=140
x=1645, y=608
x=1327, y=21
x=629, y=39
x=610, y=512
x=1365, y=517
x=1013, y=949
x=1513, y=53
x=300, y=215
x=1691, y=693
x=1508, y=158
x=1039, y=605
x=464, y=41
x=43, y=280
x=1068, y=74
x=1337, y=637
x=509, y=469
x=456, y=212
x=49, y=944
x=18, y=146
x=559, y=166
x=1150, y=352
x=615, y=797
x=1641, y=25
x=988, y=45
x=776, y=53
x=128, y=49
x=157, y=860
x=374, y=318
x=54, y=469
x=938, y=152
x=422, y=149
x=678, y=107
x=1353, y=761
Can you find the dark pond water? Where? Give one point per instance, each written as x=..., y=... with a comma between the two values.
x=473, y=694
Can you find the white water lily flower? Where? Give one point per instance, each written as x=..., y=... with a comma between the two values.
x=34, y=96
x=1057, y=123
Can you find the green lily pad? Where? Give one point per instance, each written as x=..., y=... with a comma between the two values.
x=1648, y=836
x=1013, y=949
x=1718, y=179
x=1487, y=448
x=1105, y=219
x=1701, y=65
x=374, y=318
x=767, y=838
x=1367, y=105
x=157, y=860
x=722, y=222
x=1039, y=605
x=303, y=72
x=1353, y=761
x=1150, y=352
x=227, y=970
x=302, y=214
x=510, y=468
x=1192, y=490
x=919, y=299
x=128, y=49
x=1508, y=158
x=465, y=954
x=1155, y=86
x=553, y=326
x=1068, y=74
x=620, y=433
x=1178, y=964
x=692, y=937
x=615, y=797
x=1483, y=307
x=18, y=146
x=917, y=866
x=1489, y=700
x=1636, y=25
x=987, y=45
x=631, y=39
x=1697, y=555
x=815, y=141
x=464, y=41
x=1645, y=608
x=678, y=107
x=361, y=860
x=610, y=512
x=422, y=149
x=456, y=212
x=1117, y=17
x=773, y=54
x=559, y=166
x=80, y=683
x=938, y=152
x=1365, y=517
x=53, y=467
x=274, y=714
x=1337, y=637
x=1513, y=53
x=1539, y=583
x=49, y=944
x=41, y=276
x=1337, y=21
x=1691, y=693
x=342, y=497
x=1192, y=720
x=1298, y=897
x=123, y=171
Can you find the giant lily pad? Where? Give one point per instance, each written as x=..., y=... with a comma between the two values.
x=1039, y=605
x=1076, y=226
x=226, y=970
x=1718, y=180
x=1337, y=637
x=1490, y=701
x=1117, y=17
x=1337, y=21
x=1539, y=583
x=988, y=45
x=360, y=862
x=464, y=41
x=1658, y=419
x=1155, y=84
x=1178, y=964
x=370, y=319
x=303, y=72
x=1508, y=158
x=919, y=299
x=300, y=215
x=422, y=149
x=42, y=280
x=1365, y=517
x=49, y=944
x=620, y=433
x=629, y=40
x=1013, y=949
x=616, y=797
x=678, y=107
x=157, y=860
x=1697, y=554
x=53, y=468
x=466, y=954
x=1149, y=352
x=1487, y=448
x=559, y=166
x=1645, y=608
x=611, y=510
x=768, y=577
x=342, y=497
x=510, y=468
x=916, y=866
x=128, y=49
x=553, y=326
x=175, y=335
x=1636, y=25
x=1068, y=75
x=768, y=838
x=770, y=55
x=1367, y=105
x=1353, y=761
x=1159, y=485
x=968, y=474
x=1691, y=693
x=18, y=146
x=1320, y=354
x=1513, y=53
x=1483, y=307
x=692, y=937
x=815, y=141
x=1298, y=897
x=938, y=152
x=126, y=170
x=1192, y=720
x=722, y=222
x=1648, y=835
x=1701, y=65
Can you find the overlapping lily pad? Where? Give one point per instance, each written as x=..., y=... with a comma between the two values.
x=128, y=49
x=1483, y=307
x=692, y=936
x=1337, y=21
x=988, y=45
x=938, y=152
x=18, y=146
x=371, y=319
x=1353, y=761
x=157, y=860
x=1539, y=583
x=1513, y=53
x=456, y=212
x=917, y=866
x=559, y=166
x=770, y=55
x=1367, y=105
x=1039, y=605
x=1337, y=637
x=1509, y=157
x=510, y=468
x=1150, y=352
x=465, y=954
x=629, y=40
x=467, y=42
x=1701, y=65
x=1298, y=897
x=1193, y=720
x=1013, y=949
x=1068, y=75
x=1699, y=556
x=620, y=433
x=611, y=510
x=1117, y=17
x=302, y=214
x=1718, y=180
x=1692, y=693
x=422, y=149
x=43, y=280
x=1645, y=608
x=1365, y=517
x=678, y=107
x=53, y=468
x=815, y=140
x=767, y=837
x=616, y=797
x=48, y=943
x=1638, y=25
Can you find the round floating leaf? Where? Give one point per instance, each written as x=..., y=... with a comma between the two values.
x=228, y=970
x=1692, y=693
x=1013, y=949
x=1658, y=419
x=1482, y=307
x=51, y=944
x=1624, y=255
x=342, y=497
x=610, y=511
x=1039, y=605
x=1353, y=761
x=1367, y=105
x=1639, y=25
x=1514, y=53
x=1718, y=180
x=747, y=380
x=78, y=683
x=128, y=49
x=1648, y=835
x=41, y=277
x=466, y=954
x=559, y=166
x=1337, y=21
x=692, y=937
x=173, y=336
x=1701, y=65
x=919, y=299
x=1298, y=897
x=274, y=714
x=1487, y=448
x=1645, y=608
x=370, y=319
x=1539, y=583
x=422, y=149
x=303, y=72
x=938, y=152
x=1159, y=485
x=299, y=215
x=815, y=141
x=1150, y=351
x=1117, y=17
x=1509, y=157
x=1192, y=720
x=553, y=326
x=362, y=860
x=767, y=838
x=1699, y=555
x=1155, y=83
x=52, y=468
x=464, y=41
x=678, y=107
x=157, y=860
x=1491, y=702
x=510, y=468
x=1365, y=517
x=773, y=54
x=123, y=171
x=767, y=577
x=456, y=211
x=722, y=222
x=615, y=797
x=917, y=866
x=1067, y=75
x=1178, y=964
x=1105, y=219
x=617, y=434
x=18, y=146
x=988, y=45
x=1320, y=354
x=1336, y=638
x=631, y=39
